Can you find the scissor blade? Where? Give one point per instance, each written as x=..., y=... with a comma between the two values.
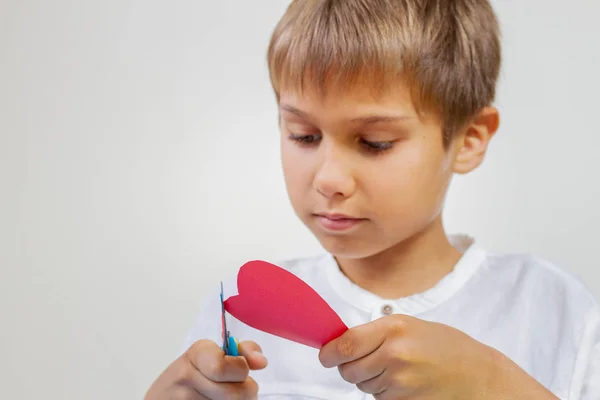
x=225, y=332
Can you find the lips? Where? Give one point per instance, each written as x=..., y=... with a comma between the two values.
x=337, y=221
x=337, y=217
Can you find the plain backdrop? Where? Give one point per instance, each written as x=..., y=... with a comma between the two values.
x=139, y=165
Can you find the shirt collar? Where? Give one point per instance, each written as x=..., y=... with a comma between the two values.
x=472, y=257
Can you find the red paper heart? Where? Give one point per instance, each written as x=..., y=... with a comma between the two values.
x=274, y=300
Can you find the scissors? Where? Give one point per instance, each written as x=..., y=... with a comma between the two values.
x=230, y=344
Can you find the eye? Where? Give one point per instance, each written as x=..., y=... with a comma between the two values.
x=377, y=147
x=305, y=140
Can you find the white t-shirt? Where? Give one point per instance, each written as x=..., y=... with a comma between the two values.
x=535, y=313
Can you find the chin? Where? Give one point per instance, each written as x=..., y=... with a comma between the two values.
x=349, y=248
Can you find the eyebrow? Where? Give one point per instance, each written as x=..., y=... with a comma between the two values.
x=295, y=111
x=366, y=119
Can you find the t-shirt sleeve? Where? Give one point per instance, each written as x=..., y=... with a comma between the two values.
x=586, y=379
x=207, y=323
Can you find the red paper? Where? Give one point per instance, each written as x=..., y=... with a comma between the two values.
x=274, y=300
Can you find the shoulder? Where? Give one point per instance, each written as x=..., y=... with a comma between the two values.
x=553, y=311
x=540, y=271
x=543, y=279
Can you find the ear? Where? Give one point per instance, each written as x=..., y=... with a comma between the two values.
x=474, y=141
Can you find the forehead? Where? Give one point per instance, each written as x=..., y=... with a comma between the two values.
x=397, y=96
x=351, y=103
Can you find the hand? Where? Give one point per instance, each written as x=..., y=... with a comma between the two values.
x=401, y=357
x=204, y=372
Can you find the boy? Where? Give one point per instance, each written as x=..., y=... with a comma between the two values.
x=381, y=102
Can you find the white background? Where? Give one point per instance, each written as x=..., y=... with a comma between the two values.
x=139, y=165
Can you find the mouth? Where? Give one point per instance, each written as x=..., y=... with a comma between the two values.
x=337, y=222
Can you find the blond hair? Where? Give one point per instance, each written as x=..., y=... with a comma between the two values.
x=447, y=51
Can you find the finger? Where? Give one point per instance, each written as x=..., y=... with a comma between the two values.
x=357, y=342
x=253, y=354
x=191, y=384
x=376, y=386
x=227, y=390
x=180, y=381
x=185, y=392
x=208, y=358
x=176, y=382
x=364, y=369
x=390, y=385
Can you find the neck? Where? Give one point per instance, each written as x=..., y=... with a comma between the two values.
x=411, y=266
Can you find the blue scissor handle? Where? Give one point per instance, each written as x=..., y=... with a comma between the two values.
x=232, y=349
x=230, y=344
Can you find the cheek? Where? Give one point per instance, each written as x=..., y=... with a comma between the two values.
x=414, y=179
x=430, y=181
x=428, y=165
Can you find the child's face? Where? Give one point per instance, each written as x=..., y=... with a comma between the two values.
x=372, y=159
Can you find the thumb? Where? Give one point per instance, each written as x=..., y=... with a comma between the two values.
x=252, y=352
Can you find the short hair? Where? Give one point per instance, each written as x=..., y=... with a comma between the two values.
x=447, y=52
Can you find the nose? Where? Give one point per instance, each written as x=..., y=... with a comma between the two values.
x=334, y=176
